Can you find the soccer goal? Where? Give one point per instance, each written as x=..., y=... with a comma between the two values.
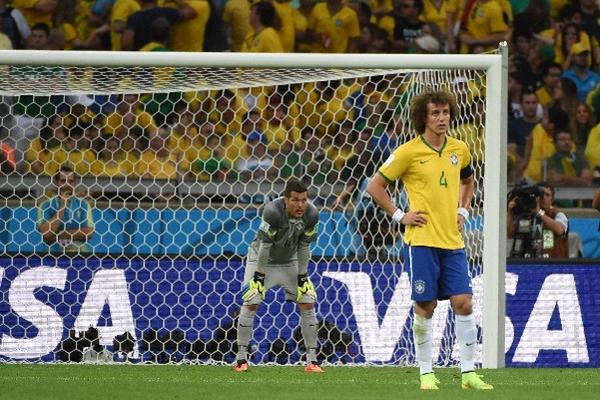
x=132, y=185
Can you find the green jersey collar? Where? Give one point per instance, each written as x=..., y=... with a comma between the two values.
x=433, y=148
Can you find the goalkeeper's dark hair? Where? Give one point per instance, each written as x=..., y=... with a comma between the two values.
x=419, y=107
x=294, y=185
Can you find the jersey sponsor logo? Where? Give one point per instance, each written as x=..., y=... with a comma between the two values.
x=454, y=159
x=420, y=286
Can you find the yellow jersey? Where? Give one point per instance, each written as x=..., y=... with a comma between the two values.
x=432, y=180
x=237, y=14
x=121, y=10
x=592, y=148
x=542, y=147
x=123, y=166
x=188, y=35
x=287, y=32
x=32, y=16
x=432, y=14
x=485, y=19
x=300, y=24
x=545, y=98
x=142, y=119
x=265, y=41
x=335, y=30
x=150, y=165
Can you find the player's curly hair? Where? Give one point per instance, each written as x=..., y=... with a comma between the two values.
x=418, y=112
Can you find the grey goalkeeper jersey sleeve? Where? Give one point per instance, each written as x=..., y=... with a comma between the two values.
x=283, y=234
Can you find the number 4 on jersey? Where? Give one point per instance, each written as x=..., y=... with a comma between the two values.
x=443, y=180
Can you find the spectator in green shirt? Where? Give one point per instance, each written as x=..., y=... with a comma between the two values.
x=567, y=167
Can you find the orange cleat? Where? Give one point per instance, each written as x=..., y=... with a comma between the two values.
x=313, y=368
x=241, y=366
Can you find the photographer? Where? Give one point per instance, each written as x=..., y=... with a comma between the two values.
x=537, y=228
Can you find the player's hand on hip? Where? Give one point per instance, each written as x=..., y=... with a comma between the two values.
x=256, y=286
x=306, y=288
x=416, y=218
x=461, y=223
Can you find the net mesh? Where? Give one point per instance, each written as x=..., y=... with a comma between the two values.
x=141, y=257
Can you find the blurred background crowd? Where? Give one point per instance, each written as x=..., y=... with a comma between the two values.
x=319, y=129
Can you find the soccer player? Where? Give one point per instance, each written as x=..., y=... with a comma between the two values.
x=279, y=256
x=436, y=172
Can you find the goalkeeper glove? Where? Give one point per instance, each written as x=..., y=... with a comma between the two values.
x=305, y=287
x=254, y=287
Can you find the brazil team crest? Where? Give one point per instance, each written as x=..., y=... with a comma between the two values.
x=419, y=286
x=454, y=159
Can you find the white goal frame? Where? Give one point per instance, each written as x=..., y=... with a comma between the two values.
x=495, y=65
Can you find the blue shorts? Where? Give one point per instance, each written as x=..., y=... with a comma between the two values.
x=437, y=274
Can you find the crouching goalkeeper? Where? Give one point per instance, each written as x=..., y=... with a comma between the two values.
x=279, y=256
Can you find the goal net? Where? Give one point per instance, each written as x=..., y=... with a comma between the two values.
x=132, y=185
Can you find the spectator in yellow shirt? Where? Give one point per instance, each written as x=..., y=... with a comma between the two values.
x=36, y=11
x=73, y=153
x=551, y=79
x=301, y=15
x=188, y=34
x=343, y=145
x=51, y=136
x=264, y=22
x=485, y=27
x=592, y=148
x=65, y=23
x=540, y=144
x=121, y=10
x=333, y=28
x=236, y=17
x=128, y=115
x=287, y=33
x=227, y=114
x=157, y=162
x=197, y=149
x=112, y=160
x=279, y=128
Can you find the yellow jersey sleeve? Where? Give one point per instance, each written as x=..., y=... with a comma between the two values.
x=396, y=165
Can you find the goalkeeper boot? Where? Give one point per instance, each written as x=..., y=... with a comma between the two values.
x=429, y=382
x=471, y=380
x=241, y=366
x=312, y=367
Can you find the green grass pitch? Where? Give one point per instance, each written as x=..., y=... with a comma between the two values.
x=114, y=382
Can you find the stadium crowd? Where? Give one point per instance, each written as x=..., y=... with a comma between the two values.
x=277, y=132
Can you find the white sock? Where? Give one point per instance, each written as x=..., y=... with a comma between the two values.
x=466, y=334
x=422, y=335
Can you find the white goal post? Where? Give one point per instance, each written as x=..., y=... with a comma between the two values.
x=226, y=68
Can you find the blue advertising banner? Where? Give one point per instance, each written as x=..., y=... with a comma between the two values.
x=201, y=232
x=553, y=311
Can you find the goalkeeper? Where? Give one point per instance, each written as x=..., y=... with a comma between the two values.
x=279, y=256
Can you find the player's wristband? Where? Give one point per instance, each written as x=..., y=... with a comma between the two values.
x=398, y=215
x=464, y=212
